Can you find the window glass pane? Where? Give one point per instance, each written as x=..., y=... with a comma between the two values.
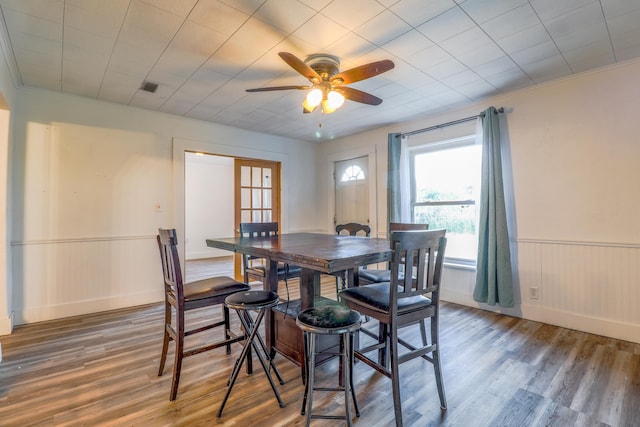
x=256, y=215
x=256, y=197
x=266, y=199
x=352, y=173
x=245, y=198
x=245, y=176
x=266, y=177
x=256, y=177
x=449, y=175
x=460, y=222
x=266, y=214
x=452, y=174
x=245, y=216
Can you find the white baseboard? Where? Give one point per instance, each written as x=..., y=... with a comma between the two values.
x=6, y=325
x=565, y=319
x=76, y=308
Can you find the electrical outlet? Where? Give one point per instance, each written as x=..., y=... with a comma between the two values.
x=534, y=292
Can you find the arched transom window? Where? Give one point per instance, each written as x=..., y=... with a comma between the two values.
x=352, y=173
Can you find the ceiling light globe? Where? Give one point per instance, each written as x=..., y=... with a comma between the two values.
x=335, y=99
x=314, y=97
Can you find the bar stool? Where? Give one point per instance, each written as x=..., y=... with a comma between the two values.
x=329, y=320
x=243, y=303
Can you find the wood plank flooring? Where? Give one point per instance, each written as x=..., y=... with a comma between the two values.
x=101, y=370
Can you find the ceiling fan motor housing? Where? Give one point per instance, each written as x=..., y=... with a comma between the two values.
x=324, y=64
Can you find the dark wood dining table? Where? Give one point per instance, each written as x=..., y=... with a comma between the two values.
x=316, y=254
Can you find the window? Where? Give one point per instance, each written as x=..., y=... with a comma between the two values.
x=352, y=173
x=445, y=186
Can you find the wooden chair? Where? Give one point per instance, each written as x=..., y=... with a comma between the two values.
x=368, y=276
x=254, y=267
x=349, y=229
x=181, y=297
x=401, y=303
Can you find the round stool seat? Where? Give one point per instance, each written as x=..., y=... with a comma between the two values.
x=329, y=319
x=252, y=300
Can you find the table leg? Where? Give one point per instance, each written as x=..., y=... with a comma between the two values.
x=270, y=284
x=309, y=287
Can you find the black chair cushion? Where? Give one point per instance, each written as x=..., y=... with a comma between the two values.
x=212, y=287
x=261, y=270
x=376, y=297
x=377, y=276
x=329, y=316
x=329, y=319
x=251, y=300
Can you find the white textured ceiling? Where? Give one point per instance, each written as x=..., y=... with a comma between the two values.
x=204, y=53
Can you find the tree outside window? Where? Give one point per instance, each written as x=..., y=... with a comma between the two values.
x=445, y=188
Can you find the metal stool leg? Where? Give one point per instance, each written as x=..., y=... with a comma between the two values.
x=311, y=373
x=252, y=326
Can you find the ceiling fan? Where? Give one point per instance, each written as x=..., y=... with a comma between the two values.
x=328, y=85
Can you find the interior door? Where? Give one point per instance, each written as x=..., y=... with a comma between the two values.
x=257, y=195
x=352, y=191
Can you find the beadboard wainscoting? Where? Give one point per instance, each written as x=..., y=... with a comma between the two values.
x=592, y=287
x=80, y=276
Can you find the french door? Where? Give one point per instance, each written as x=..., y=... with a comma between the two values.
x=257, y=195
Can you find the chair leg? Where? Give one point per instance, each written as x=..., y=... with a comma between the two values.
x=177, y=365
x=227, y=326
x=395, y=376
x=436, y=363
x=165, y=341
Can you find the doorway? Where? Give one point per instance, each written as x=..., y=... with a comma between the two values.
x=219, y=193
x=351, y=180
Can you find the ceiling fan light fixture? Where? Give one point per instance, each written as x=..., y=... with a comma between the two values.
x=335, y=99
x=314, y=97
x=307, y=108
x=327, y=108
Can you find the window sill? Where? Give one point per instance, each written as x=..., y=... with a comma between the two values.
x=459, y=264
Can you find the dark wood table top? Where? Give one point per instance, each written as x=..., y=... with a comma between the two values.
x=326, y=253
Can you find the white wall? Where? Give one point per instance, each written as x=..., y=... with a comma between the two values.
x=574, y=151
x=7, y=102
x=209, y=203
x=93, y=181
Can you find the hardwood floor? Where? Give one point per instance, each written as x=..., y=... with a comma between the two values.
x=101, y=369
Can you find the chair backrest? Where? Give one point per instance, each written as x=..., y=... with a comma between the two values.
x=258, y=229
x=168, y=246
x=424, y=250
x=404, y=226
x=353, y=228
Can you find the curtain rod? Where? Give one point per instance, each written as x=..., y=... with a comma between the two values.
x=455, y=122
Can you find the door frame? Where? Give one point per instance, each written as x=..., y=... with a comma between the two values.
x=373, y=185
x=181, y=145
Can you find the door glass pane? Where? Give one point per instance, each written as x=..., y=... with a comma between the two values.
x=245, y=198
x=256, y=198
x=266, y=199
x=256, y=177
x=266, y=177
x=256, y=217
x=245, y=176
x=245, y=215
x=267, y=215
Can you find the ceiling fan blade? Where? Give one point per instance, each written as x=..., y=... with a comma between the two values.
x=267, y=89
x=362, y=72
x=358, y=95
x=299, y=65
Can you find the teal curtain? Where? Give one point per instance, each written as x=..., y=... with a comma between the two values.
x=394, y=192
x=494, y=281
